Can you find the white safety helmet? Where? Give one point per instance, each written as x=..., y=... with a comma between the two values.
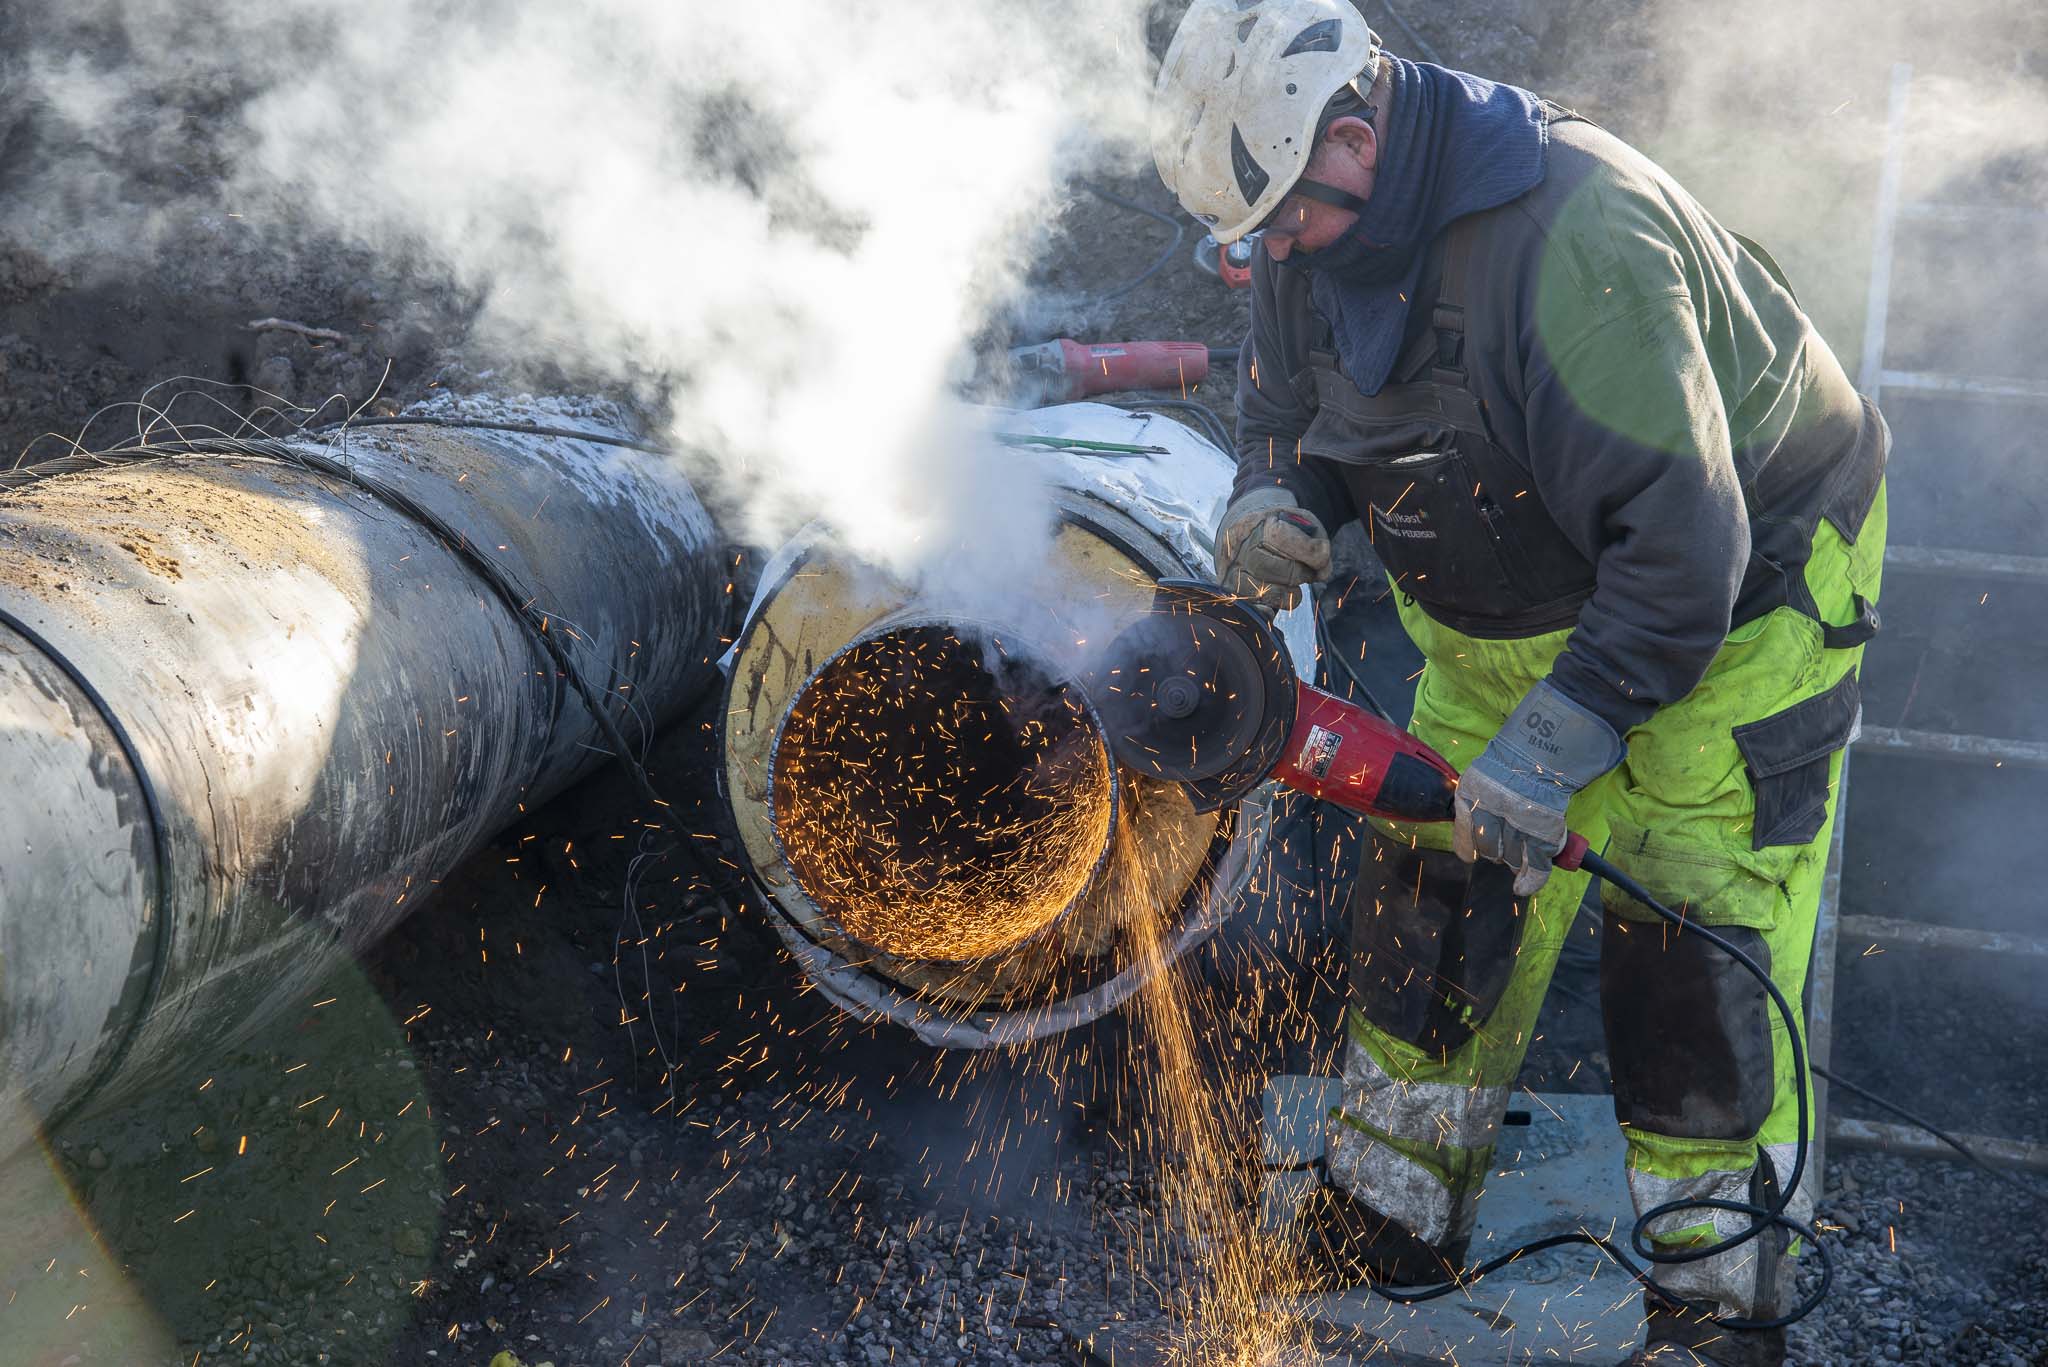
x=1239, y=96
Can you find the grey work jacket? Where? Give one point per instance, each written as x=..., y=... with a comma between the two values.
x=1649, y=427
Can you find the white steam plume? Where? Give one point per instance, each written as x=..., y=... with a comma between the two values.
x=791, y=215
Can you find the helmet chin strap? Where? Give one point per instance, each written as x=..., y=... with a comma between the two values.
x=1328, y=194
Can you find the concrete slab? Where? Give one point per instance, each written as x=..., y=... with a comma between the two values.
x=1297, y=1112
x=1142, y=1345
x=1558, y=1168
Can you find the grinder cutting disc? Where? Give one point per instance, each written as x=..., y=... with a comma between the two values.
x=1199, y=691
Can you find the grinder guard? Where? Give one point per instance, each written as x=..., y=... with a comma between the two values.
x=1202, y=692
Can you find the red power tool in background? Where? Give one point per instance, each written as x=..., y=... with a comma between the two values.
x=1201, y=692
x=1062, y=370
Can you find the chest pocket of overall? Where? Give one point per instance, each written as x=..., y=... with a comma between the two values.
x=1433, y=491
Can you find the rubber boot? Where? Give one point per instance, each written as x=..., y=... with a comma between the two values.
x=1680, y=1335
x=1350, y=1244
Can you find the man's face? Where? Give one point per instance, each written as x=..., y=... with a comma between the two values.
x=1304, y=225
x=1346, y=159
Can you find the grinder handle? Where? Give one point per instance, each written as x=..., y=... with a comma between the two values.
x=1343, y=754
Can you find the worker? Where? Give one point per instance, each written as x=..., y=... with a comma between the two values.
x=1633, y=512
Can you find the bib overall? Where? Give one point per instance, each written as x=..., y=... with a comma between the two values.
x=1722, y=808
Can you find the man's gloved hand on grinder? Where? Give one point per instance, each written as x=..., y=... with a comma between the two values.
x=1511, y=800
x=1268, y=546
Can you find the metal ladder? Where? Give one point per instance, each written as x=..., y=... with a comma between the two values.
x=1875, y=743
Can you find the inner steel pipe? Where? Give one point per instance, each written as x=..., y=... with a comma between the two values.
x=251, y=710
x=942, y=793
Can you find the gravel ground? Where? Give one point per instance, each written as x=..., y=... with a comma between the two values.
x=457, y=1149
x=1934, y=1263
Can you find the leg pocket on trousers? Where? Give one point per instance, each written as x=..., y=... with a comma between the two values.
x=1787, y=755
x=1433, y=944
x=1688, y=1030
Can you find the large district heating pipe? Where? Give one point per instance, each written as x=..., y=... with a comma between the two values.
x=925, y=794
x=251, y=711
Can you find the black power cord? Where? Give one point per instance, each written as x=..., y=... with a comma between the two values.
x=1211, y=425
x=1762, y=1217
x=1327, y=644
x=1180, y=231
x=1958, y=1145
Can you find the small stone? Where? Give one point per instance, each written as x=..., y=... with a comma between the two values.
x=276, y=376
x=96, y=1159
x=686, y=1344
x=411, y=1241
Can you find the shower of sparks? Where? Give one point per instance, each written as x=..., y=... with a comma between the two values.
x=945, y=810
x=952, y=808
x=1231, y=1307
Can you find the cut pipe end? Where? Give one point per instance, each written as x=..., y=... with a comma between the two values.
x=942, y=797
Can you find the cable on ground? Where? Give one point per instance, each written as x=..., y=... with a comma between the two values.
x=1180, y=231
x=1415, y=40
x=1958, y=1145
x=1328, y=645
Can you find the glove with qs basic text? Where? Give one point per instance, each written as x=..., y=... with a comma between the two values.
x=1268, y=546
x=1511, y=801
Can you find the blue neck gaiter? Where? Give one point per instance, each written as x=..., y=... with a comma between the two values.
x=1455, y=144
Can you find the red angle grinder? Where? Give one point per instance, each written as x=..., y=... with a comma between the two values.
x=1063, y=370
x=1202, y=692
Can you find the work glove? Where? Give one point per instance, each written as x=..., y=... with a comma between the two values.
x=1268, y=546
x=1511, y=800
